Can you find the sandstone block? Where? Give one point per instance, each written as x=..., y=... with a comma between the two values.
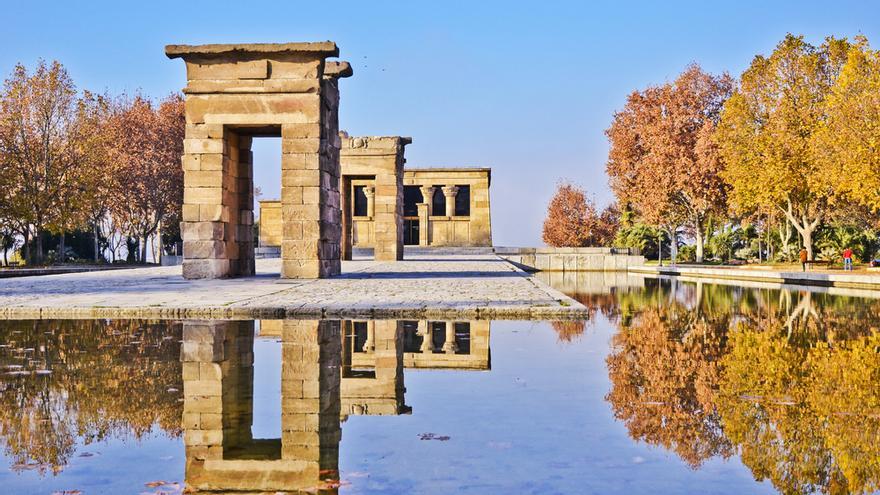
x=202, y=146
x=205, y=268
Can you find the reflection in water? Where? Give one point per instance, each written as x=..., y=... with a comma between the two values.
x=329, y=371
x=66, y=383
x=785, y=381
x=788, y=380
x=221, y=453
x=82, y=381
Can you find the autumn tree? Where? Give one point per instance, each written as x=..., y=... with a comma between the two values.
x=145, y=160
x=46, y=149
x=663, y=160
x=846, y=144
x=766, y=130
x=571, y=217
x=607, y=225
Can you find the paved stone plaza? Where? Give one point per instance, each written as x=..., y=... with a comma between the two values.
x=450, y=286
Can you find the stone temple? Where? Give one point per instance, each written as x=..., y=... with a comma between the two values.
x=337, y=192
x=441, y=207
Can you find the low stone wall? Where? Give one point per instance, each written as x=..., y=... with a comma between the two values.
x=264, y=252
x=569, y=259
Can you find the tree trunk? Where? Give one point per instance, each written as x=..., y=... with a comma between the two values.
x=97, y=247
x=62, y=248
x=660, y=249
x=38, y=256
x=145, y=240
x=805, y=228
x=159, y=242
x=808, y=241
x=699, y=239
x=27, y=246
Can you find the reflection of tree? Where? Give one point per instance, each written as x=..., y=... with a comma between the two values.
x=61, y=381
x=804, y=416
x=664, y=371
x=568, y=331
x=787, y=379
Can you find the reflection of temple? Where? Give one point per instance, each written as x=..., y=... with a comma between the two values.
x=446, y=344
x=450, y=344
x=329, y=370
x=221, y=453
x=372, y=368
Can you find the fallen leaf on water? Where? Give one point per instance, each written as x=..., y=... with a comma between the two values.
x=433, y=436
x=67, y=492
x=154, y=484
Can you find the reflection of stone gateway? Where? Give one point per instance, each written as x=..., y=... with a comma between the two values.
x=221, y=453
x=236, y=92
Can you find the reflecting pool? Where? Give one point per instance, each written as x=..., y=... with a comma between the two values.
x=669, y=387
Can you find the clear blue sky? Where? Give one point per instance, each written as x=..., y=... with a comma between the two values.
x=525, y=88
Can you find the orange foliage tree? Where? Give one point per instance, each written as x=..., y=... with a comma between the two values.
x=663, y=160
x=571, y=218
x=145, y=162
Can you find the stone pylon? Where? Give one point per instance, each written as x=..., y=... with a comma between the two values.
x=233, y=94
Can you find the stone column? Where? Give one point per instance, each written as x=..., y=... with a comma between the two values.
x=211, y=210
x=449, y=346
x=427, y=339
x=310, y=206
x=370, y=193
x=450, y=192
x=370, y=342
x=425, y=212
x=428, y=197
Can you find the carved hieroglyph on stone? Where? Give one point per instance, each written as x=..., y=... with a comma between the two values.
x=377, y=164
x=234, y=93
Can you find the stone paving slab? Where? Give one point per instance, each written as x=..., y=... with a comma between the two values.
x=464, y=286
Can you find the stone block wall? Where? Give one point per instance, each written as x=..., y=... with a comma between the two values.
x=270, y=223
x=377, y=163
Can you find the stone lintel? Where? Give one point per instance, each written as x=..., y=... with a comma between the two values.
x=246, y=50
x=372, y=145
x=338, y=70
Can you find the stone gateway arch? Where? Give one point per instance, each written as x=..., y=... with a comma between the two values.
x=233, y=94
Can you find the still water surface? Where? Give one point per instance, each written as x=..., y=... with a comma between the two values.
x=670, y=387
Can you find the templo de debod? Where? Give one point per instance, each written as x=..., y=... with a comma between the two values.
x=237, y=92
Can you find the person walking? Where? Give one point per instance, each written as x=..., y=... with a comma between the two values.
x=847, y=259
x=803, y=256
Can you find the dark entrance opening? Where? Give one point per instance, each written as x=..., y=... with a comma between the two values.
x=411, y=232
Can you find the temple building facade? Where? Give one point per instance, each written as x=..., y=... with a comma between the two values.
x=441, y=207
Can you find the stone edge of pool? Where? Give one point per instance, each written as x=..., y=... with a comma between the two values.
x=853, y=281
